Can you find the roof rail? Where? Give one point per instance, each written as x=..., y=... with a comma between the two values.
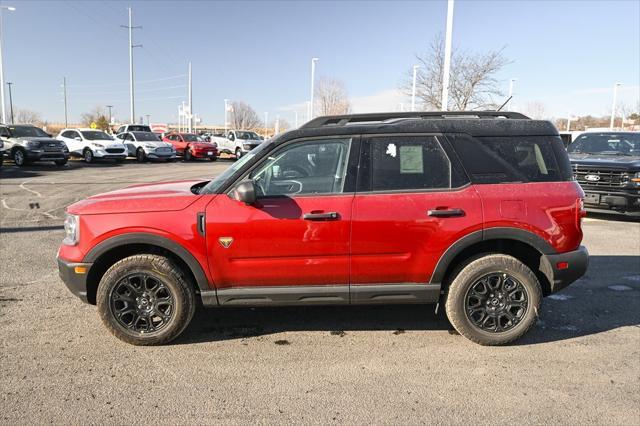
x=381, y=117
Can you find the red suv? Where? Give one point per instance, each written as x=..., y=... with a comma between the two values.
x=190, y=146
x=477, y=211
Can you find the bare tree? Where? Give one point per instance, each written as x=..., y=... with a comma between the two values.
x=26, y=116
x=472, y=85
x=330, y=97
x=97, y=116
x=535, y=110
x=243, y=116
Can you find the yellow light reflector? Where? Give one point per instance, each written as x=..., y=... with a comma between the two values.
x=80, y=269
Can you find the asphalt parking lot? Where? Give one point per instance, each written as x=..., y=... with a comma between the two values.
x=354, y=365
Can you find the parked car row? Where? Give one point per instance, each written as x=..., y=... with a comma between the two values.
x=26, y=144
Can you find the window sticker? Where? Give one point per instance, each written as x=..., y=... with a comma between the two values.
x=411, y=159
x=391, y=150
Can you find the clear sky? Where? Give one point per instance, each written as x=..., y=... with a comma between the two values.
x=566, y=55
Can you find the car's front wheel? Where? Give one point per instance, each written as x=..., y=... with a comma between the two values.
x=145, y=300
x=20, y=157
x=141, y=156
x=87, y=155
x=188, y=155
x=493, y=299
x=238, y=153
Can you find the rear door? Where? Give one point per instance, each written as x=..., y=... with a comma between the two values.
x=413, y=202
x=292, y=245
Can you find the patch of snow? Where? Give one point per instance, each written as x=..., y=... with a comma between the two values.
x=561, y=297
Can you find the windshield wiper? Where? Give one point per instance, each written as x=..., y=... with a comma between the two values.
x=615, y=153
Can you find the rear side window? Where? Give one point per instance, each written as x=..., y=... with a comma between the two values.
x=405, y=163
x=513, y=159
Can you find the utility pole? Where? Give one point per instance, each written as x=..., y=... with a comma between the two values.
x=190, y=112
x=613, y=106
x=226, y=116
x=4, y=113
x=64, y=89
x=130, y=27
x=447, y=56
x=313, y=79
x=413, y=90
x=110, y=106
x=10, y=100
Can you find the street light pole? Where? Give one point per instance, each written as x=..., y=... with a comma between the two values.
x=313, y=78
x=447, y=56
x=147, y=115
x=226, y=120
x=413, y=89
x=568, y=121
x=190, y=116
x=130, y=27
x=64, y=89
x=10, y=100
x=613, y=106
x=4, y=113
x=511, y=81
x=110, y=117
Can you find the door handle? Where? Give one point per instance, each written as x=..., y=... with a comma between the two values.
x=321, y=216
x=201, y=224
x=446, y=213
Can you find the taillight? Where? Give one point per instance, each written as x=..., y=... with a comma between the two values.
x=580, y=212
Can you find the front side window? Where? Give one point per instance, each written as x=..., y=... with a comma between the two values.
x=401, y=163
x=311, y=167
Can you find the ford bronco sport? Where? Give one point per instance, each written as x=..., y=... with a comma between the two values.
x=478, y=211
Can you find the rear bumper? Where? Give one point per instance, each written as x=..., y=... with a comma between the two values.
x=559, y=276
x=75, y=282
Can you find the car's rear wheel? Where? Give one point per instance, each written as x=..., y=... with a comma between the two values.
x=87, y=155
x=145, y=300
x=20, y=157
x=141, y=156
x=494, y=299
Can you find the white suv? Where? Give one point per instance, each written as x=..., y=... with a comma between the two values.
x=147, y=146
x=92, y=144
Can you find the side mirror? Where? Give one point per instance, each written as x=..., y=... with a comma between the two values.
x=78, y=138
x=245, y=192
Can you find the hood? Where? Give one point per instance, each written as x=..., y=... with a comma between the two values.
x=39, y=139
x=612, y=161
x=149, y=197
x=202, y=145
x=156, y=144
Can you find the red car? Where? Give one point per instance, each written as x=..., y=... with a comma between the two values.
x=190, y=146
x=477, y=211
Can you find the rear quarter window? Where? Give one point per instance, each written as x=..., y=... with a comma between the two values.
x=513, y=159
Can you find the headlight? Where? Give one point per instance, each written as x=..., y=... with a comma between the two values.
x=71, y=230
x=636, y=178
x=215, y=145
x=97, y=145
x=33, y=144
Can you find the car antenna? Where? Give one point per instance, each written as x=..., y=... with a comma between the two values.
x=505, y=102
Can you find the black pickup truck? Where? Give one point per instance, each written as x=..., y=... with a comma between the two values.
x=607, y=166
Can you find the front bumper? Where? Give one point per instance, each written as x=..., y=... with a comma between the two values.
x=564, y=268
x=47, y=155
x=621, y=200
x=205, y=153
x=154, y=155
x=75, y=282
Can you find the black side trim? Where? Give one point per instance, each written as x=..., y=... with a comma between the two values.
x=578, y=261
x=395, y=293
x=282, y=296
x=516, y=234
x=76, y=283
x=155, y=240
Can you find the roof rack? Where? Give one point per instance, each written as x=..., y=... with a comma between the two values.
x=387, y=117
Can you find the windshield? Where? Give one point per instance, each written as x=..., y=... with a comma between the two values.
x=606, y=143
x=95, y=135
x=146, y=136
x=138, y=128
x=219, y=180
x=27, y=132
x=247, y=135
x=190, y=138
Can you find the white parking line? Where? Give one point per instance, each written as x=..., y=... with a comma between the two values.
x=22, y=185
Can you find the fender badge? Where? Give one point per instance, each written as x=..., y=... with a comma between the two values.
x=225, y=241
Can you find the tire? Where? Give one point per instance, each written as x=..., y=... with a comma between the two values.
x=141, y=156
x=188, y=156
x=61, y=163
x=174, y=298
x=238, y=153
x=214, y=158
x=87, y=156
x=20, y=157
x=485, y=291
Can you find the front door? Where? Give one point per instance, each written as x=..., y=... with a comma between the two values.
x=292, y=245
x=412, y=203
